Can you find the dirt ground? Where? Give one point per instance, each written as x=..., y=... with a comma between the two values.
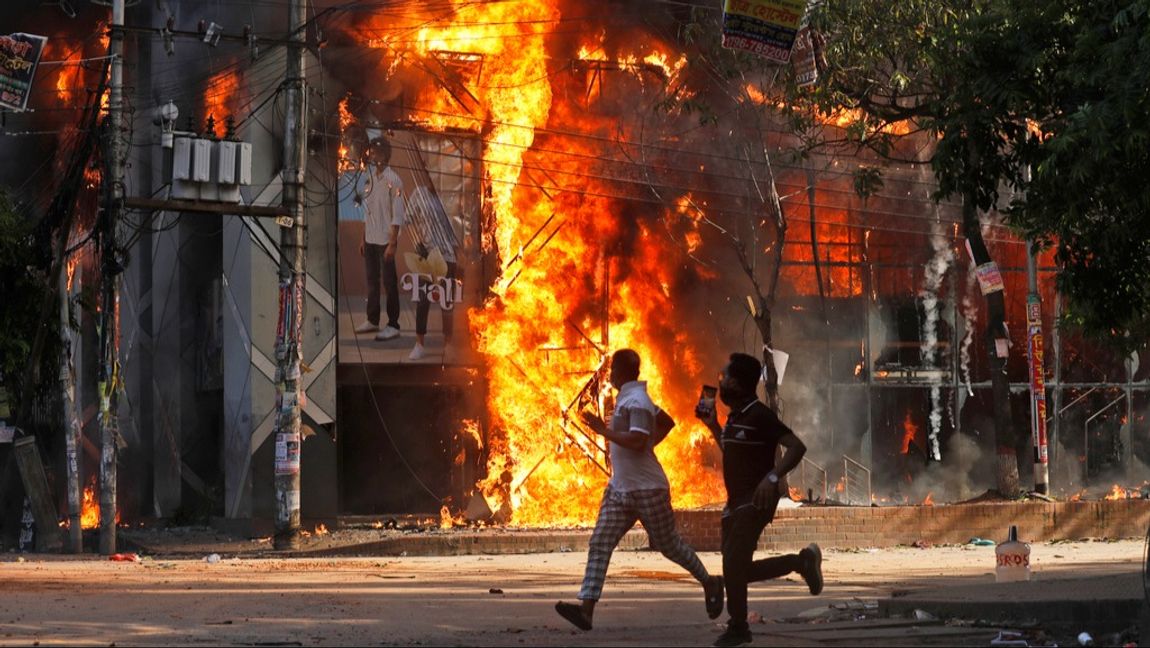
x=474, y=600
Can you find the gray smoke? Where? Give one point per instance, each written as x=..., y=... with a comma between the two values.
x=935, y=273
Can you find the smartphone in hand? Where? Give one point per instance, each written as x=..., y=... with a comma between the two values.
x=706, y=407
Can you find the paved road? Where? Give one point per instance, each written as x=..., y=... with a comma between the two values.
x=448, y=600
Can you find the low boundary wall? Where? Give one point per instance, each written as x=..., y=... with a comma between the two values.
x=886, y=526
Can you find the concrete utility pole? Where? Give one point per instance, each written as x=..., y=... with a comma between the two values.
x=109, y=377
x=293, y=252
x=73, y=434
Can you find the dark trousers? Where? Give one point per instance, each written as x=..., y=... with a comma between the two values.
x=741, y=530
x=423, y=308
x=373, y=257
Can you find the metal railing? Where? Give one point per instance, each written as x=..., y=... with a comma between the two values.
x=1086, y=434
x=856, y=482
x=812, y=480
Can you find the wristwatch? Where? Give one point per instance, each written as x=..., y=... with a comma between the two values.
x=772, y=477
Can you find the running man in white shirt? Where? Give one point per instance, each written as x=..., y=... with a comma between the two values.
x=638, y=491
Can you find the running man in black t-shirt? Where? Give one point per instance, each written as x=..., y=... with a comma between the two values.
x=749, y=442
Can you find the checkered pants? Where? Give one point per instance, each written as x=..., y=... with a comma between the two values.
x=617, y=514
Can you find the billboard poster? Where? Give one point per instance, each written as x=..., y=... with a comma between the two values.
x=19, y=57
x=764, y=27
x=408, y=304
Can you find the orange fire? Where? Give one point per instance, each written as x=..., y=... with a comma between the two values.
x=1117, y=492
x=841, y=118
x=928, y=500
x=346, y=163
x=840, y=248
x=321, y=529
x=909, y=432
x=447, y=520
x=222, y=98
x=90, y=508
x=72, y=82
x=509, y=88
x=795, y=494
x=70, y=74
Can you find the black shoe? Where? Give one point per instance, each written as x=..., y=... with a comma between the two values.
x=713, y=594
x=734, y=637
x=574, y=614
x=812, y=569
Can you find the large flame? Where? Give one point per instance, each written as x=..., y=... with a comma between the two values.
x=584, y=273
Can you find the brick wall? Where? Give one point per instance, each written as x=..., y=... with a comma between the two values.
x=858, y=526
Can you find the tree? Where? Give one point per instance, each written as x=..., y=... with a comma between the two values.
x=1049, y=100
x=1080, y=75
x=23, y=290
x=895, y=62
x=717, y=91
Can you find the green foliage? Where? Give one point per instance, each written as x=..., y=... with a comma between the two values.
x=23, y=289
x=1088, y=195
x=1047, y=103
x=867, y=181
x=976, y=75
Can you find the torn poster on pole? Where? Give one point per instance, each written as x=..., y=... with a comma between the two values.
x=19, y=57
x=764, y=27
x=808, y=57
x=989, y=278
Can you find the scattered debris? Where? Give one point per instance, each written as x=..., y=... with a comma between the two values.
x=815, y=613
x=494, y=590
x=923, y=615
x=1084, y=639
x=1009, y=638
x=212, y=559
x=124, y=557
x=981, y=542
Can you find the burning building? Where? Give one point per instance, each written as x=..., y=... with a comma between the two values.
x=585, y=189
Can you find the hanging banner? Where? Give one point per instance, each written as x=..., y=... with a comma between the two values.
x=1037, y=379
x=19, y=57
x=764, y=27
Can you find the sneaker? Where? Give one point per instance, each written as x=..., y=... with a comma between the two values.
x=367, y=327
x=713, y=595
x=812, y=569
x=387, y=333
x=416, y=352
x=734, y=637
